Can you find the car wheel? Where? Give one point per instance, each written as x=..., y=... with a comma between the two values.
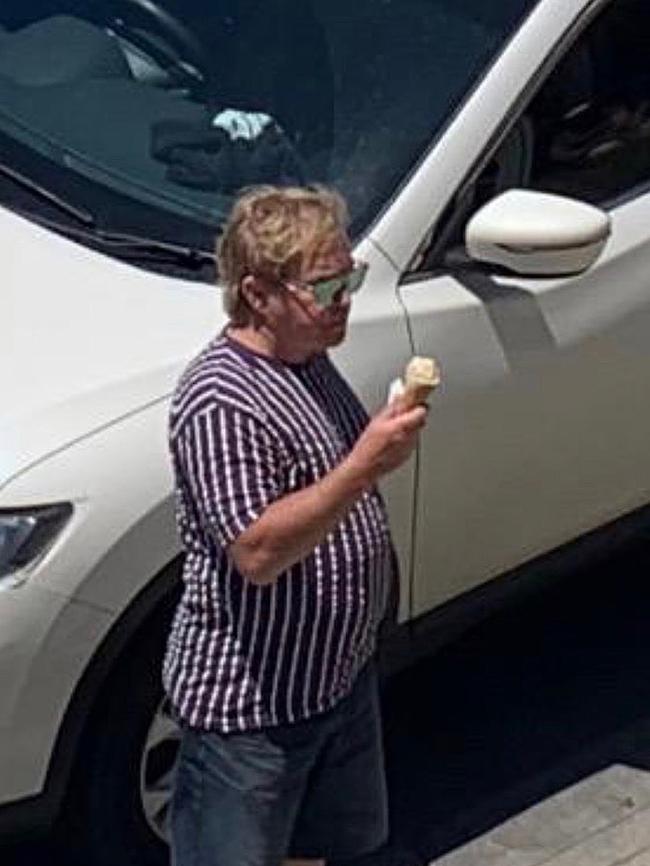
x=157, y=763
x=119, y=806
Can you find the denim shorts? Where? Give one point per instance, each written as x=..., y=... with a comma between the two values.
x=313, y=789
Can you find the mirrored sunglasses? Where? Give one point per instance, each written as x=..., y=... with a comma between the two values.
x=325, y=291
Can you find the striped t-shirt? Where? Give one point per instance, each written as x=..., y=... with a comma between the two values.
x=246, y=430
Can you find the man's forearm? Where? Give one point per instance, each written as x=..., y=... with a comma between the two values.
x=294, y=525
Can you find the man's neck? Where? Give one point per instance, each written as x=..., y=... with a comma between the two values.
x=265, y=342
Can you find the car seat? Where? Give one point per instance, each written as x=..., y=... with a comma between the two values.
x=67, y=90
x=59, y=49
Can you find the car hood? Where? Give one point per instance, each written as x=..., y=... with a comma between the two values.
x=85, y=340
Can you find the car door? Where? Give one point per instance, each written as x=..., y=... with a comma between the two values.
x=540, y=430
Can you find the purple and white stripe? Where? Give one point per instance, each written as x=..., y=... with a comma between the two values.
x=246, y=430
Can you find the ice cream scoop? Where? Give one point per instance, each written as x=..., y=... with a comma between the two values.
x=421, y=376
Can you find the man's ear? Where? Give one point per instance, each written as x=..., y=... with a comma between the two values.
x=255, y=292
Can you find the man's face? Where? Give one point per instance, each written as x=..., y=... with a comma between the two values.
x=301, y=325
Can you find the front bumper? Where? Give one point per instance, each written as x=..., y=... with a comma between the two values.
x=46, y=641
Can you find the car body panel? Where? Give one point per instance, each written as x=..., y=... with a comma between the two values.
x=554, y=371
x=45, y=643
x=574, y=408
x=71, y=374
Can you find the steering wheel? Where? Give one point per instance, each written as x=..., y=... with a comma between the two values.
x=163, y=37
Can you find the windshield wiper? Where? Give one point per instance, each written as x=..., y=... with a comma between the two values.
x=125, y=242
x=129, y=246
x=78, y=213
x=126, y=245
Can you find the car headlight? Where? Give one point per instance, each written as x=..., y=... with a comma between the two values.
x=26, y=534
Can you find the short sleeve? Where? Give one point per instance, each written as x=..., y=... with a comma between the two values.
x=233, y=466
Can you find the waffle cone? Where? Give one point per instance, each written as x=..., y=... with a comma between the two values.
x=421, y=377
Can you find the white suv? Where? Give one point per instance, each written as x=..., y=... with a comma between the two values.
x=496, y=159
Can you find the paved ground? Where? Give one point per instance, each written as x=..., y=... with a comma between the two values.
x=525, y=743
x=602, y=820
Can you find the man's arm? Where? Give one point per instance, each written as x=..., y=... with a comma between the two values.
x=291, y=527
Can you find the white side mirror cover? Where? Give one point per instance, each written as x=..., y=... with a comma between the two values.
x=538, y=234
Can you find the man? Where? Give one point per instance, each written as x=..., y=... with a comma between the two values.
x=288, y=555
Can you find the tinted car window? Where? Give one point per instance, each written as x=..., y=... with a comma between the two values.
x=591, y=122
x=168, y=108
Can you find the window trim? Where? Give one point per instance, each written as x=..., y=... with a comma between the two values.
x=635, y=192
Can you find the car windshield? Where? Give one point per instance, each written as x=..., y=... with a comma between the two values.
x=172, y=106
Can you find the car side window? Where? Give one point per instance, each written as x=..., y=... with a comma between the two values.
x=591, y=120
x=585, y=134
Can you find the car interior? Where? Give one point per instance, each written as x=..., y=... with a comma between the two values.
x=352, y=93
x=81, y=91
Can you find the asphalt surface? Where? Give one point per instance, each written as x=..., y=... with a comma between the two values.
x=544, y=696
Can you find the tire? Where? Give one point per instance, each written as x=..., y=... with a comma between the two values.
x=117, y=808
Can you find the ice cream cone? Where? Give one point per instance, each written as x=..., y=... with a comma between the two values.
x=421, y=377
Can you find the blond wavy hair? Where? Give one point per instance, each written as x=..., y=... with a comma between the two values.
x=271, y=232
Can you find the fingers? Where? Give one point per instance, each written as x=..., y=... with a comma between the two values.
x=390, y=410
x=395, y=409
x=411, y=420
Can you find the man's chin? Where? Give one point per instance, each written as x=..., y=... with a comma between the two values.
x=336, y=334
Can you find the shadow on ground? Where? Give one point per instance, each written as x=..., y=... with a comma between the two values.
x=543, y=695
x=539, y=697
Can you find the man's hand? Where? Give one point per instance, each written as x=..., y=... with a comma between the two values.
x=387, y=442
x=292, y=526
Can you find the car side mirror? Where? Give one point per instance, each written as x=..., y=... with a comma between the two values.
x=537, y=233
